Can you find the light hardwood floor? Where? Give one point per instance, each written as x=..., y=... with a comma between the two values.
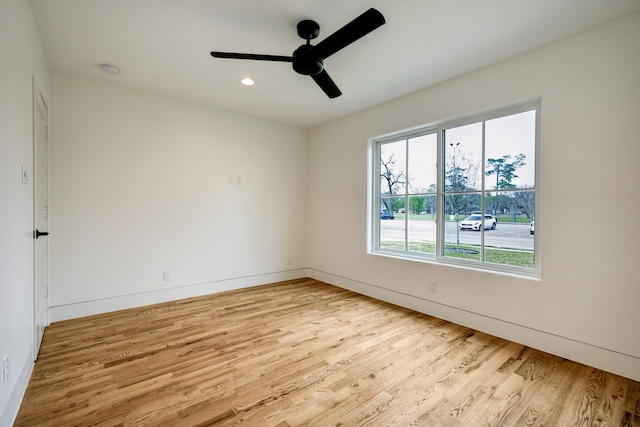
x=306, y=353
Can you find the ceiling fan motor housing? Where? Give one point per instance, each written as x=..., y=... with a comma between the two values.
x=305, y=62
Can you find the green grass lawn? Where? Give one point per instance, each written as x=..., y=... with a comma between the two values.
x=521, y=219
x=512, y=257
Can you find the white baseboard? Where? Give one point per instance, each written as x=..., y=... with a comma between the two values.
x=15, y=399
x=121, y=302
x=585, y=353
x=588, y=354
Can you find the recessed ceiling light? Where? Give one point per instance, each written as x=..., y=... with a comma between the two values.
x=247, y=81
x=110, y=69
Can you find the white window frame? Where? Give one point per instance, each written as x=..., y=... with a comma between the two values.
x=373, y=193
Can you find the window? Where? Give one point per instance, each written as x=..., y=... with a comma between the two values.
x=460, y=192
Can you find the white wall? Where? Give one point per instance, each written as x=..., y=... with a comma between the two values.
x=585, y=307
x=21, y=59
x=139, y=184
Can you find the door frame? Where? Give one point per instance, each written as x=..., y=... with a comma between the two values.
x=40, y=172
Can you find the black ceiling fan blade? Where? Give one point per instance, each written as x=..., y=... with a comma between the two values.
x=326, y=84
x=257, y=57
x=359, y=27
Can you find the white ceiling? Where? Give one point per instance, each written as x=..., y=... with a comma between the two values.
x=163, y=46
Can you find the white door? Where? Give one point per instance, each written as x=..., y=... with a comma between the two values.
x=40, y=215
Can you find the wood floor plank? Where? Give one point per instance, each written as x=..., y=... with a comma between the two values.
x=306, y=353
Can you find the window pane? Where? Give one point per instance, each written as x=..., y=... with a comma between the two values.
x=391, y=230
x=461, y=205
x=388, y=206
x=462, y=237
x=421, y=224
x=393, y=163
x=463, y=154
x=423, y=155
x=511, y=243
x=510, y=151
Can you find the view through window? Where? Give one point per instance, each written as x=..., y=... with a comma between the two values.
x=460, y=192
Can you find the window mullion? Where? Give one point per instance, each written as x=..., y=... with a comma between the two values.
x=440, y=220
x=483, y=200
x=378, y=192
x=406, y=196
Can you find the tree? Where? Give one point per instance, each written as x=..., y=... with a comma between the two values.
x=504, y=170
x=431, y=200
x=416, y=204
x=391, y=178
x=524, y=200
x=461, y=173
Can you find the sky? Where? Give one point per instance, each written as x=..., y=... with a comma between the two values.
x=508, y=135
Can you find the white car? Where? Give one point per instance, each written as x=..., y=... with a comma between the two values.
x=474, y=222
x=532, y=227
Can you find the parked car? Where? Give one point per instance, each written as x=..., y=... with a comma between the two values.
x=480, y=213
x=474, y=222
x=531, y=227
x=386, y=215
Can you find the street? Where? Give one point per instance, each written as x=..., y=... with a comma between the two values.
x=506, y=235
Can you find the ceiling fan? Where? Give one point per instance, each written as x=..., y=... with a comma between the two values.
x=308, y=59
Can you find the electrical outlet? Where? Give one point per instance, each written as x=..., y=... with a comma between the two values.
x=5, y=369
x=238, y=180
x=433, y=285
x=168, y=274
x=288, y=260
x=231, y=179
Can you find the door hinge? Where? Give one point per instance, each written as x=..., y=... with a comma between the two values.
x=46, y=132
x=46, y=212
x=46, y=291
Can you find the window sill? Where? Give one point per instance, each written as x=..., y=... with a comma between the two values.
x=445, y=262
